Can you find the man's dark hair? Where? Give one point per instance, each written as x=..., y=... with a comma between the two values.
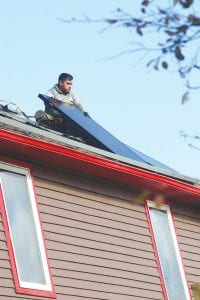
x=65, y=76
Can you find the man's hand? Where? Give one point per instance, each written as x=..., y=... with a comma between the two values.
x=86, y=114
x=55, y=101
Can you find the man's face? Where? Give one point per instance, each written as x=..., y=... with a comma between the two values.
x=65, y=85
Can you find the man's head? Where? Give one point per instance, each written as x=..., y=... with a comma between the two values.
x=65, y=82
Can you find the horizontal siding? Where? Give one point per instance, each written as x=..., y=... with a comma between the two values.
x=106, y=289
x=104, y=263
x=99, y=253
x=187, y=222
x=95, y=232
x=55, y=200
x=83, y=198
x=99, y=223
x=84, y=242
x=98, y=240
x=58, y=179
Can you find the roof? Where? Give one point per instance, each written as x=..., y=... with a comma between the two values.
x=22, y=138
x=19, y=123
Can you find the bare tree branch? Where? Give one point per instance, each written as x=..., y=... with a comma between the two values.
x=169, y=36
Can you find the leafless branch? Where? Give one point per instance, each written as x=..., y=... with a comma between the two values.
x=174, y=36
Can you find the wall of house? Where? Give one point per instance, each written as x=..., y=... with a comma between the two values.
x=187, y=222
x=98, y=240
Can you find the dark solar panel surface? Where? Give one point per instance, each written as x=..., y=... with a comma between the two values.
x=96, y=135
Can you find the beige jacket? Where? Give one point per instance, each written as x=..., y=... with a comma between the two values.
x=69, y=97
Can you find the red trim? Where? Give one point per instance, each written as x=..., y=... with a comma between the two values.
x=155, y=252
x=19, y=289
x=89, y=164
x=150, y=226
x=8, y=240
x=53, y=293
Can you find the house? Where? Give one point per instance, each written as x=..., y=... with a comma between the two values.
x=80, y=222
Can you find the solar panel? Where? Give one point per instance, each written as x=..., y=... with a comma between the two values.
x=95, y=134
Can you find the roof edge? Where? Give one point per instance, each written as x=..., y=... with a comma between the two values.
x=90, y=164
x=26, y=129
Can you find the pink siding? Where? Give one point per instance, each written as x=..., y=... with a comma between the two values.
x=98, y=241
x=187, y=221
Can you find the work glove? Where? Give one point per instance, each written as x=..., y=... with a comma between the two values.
x=86, y=114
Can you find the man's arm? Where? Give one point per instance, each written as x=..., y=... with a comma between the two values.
x=76, y=102
x=53, y=97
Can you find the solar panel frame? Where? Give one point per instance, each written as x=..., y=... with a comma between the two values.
x=95, y=134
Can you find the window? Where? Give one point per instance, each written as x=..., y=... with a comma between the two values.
x=23, y=232
x=167, y=252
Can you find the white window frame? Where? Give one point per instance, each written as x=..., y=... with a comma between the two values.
x=166, y=207
x=27, y=285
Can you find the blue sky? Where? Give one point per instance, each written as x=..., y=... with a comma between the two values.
x=140, y=107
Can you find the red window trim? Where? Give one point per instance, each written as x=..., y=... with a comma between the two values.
x=18, y=288
x=164, y=290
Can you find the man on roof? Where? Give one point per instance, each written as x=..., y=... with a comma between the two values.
x=62, y=92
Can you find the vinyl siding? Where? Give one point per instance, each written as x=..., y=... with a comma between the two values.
x=103, y=250
x=187, y=222
x=98, y=241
